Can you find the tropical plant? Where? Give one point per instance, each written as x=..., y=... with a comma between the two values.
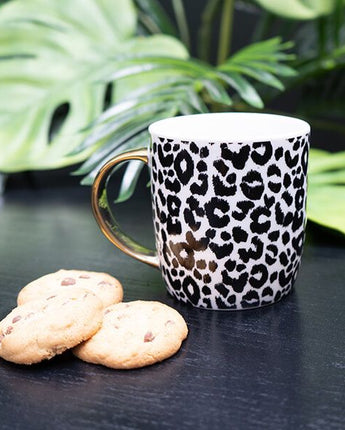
x=320, y=63
x=320, y=55
x=63, y=57
x=53, y=56
x=80, y=81
x=301, y=9
x=326, y=191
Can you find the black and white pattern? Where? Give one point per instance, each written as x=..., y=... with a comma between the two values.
x=229, y=219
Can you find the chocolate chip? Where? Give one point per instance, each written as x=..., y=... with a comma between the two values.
x=169, y=322
x=9, y=330
x=148, y=336
x=121, y=316
x=17, y=318
x=68, y=281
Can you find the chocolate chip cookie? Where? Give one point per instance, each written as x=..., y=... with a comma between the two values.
x=106, y=287
x=135, y=334
x=41, y=329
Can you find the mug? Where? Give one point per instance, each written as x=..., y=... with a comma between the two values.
x=228, y=198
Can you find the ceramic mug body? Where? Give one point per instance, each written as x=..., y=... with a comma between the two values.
x=228, y=198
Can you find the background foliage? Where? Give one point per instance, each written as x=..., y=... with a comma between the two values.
x=80, y=81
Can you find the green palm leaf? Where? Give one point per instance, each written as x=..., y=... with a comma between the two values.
x=147, y=88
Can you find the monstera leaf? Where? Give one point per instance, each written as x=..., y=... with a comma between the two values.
x=52, y=54
x=299, y=9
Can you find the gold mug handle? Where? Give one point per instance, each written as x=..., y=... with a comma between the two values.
x=105, y=218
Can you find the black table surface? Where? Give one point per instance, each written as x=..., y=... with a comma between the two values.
x=278, y=367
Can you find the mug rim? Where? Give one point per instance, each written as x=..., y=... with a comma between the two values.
x=230, y=126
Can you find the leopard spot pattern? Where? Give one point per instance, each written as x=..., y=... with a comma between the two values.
x=229, y=219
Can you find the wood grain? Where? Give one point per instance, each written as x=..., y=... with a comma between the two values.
x=279, y=367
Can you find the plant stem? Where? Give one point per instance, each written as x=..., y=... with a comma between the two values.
x=225, y=32
x=154, y=17
x=322, y=36
x=181, y=21
x=338, y=20
x=148, y=23
x=3, y=178
x=205, y=31
x=263, y=27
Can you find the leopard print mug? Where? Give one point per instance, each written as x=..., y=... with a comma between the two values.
x=228, y=198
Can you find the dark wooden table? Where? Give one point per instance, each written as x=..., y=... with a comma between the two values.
x=280, y=367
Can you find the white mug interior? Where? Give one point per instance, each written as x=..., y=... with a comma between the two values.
x=236, y=126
